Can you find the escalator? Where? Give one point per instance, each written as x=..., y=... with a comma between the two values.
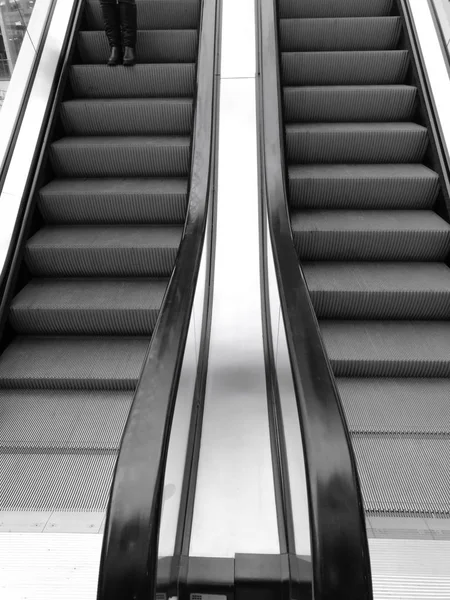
x=102, y=243
x=369, y=215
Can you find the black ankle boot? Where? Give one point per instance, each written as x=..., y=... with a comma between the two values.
x=129, y=57
x=115, y=56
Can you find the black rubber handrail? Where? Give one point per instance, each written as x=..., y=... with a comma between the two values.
x=26, y=95
x=341, y=566
x=130, y=547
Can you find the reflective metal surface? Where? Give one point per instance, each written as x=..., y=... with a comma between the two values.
x=234, y=510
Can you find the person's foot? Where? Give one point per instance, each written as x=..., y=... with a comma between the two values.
x=114, y=57
x=129, y=57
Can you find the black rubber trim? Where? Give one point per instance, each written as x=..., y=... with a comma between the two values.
x=341, y=565
x=129, y=562
x=26, y=96
x=19, y=236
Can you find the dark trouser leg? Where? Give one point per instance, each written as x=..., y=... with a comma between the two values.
x=111, y=19
x=128, y=20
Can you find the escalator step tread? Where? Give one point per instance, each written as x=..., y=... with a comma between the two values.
x=127, y=117
x=340, y=68
x=87, y=307
x=355, y=142
x=114, y=201
x=143, y=80
x=55, y=419
x=388, y=348
x=370, y=235
x=153, y=14
x=404, y=476
x=338, y=34
x=363, y=186
x=157, y=46
x=96, y=363
x=110, y=156
x=114, y=251
x=333, y=8
x=396, y=406
x=349, y=103
x=379, y=290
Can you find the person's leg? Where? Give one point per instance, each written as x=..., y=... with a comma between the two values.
x=111, y=19
x=128, y=20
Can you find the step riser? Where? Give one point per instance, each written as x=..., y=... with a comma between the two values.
x=373, y=245
x=107, y=262
x=327, y=106
x=356, y=147
x=344, y=68
x=142, y=81
x=120, y=161
x=339, y=34
x=394, y=368
x=362, y=194
x=381, y=305
x=142, y=118
x=310, y=9
x=120, y=210
x=151, y=47
x=165, y=14
x=84, y=322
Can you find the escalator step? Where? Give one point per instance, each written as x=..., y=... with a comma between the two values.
x=356, y=142
x=88, y=307
x=384, y=67
x=363, y=186
x=379, y=290
x=63, y=418
x=396, y=406
x=370, y=235
x=145, y=116
x=166, y=46
x=349, y=103
x=153, y=14
x=42, y=481
x=142, y=81
x=114, y=201
x=333, y=8
x=328, y=35
x=138, y=156
x=99, y=363
x=108, y=251
x=404, y=476
x=388, y=348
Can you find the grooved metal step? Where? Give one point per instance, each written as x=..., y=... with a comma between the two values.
x=379, y=290
x=388, y=348
x=88, y=307
x=358, y=33
x=108, y=251
x=349, y=103
x=153, y=14
x=404, y=476
x=397, y=186
x=142, y=81
x=73, y=363
x=164, y=46
x=127, y=117
x=138, y=156
x=370, y=235
x=384, y=67
x=58, y=419
x=307, y=9
x=114, y=201
x=355, y=142
x=396, y=406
